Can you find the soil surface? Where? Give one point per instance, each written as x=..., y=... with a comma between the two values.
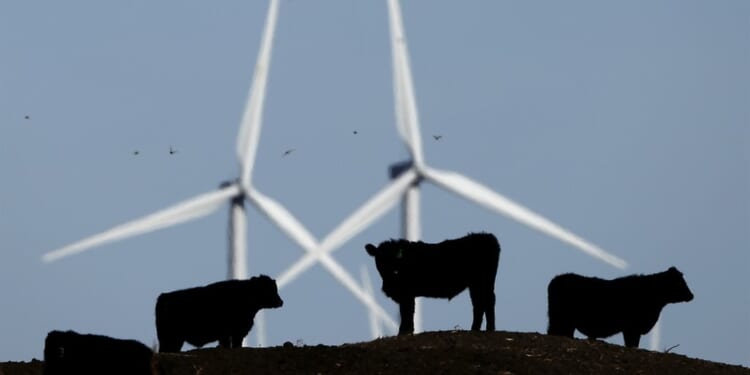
x=450, y=352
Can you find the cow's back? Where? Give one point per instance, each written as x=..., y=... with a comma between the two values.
x=73, y=353
x=205, y=314
x=203, y=301
x=445, y=269
x=598, y=307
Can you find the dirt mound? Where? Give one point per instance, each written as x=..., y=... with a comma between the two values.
x=455, y=352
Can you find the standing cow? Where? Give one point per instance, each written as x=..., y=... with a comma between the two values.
x=222, y=311
x=441, y=270
x=73, y=353
x=601, y=308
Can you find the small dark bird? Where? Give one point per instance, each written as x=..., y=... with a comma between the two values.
x=136, y=152
x=355, y=132
x=27, y=117
x=287, y=152
x=172, y=151
x=437, y=137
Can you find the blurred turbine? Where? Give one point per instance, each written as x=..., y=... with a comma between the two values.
x=407, y=176
x=236, y=192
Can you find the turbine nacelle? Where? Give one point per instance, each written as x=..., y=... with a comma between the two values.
x=399, y=168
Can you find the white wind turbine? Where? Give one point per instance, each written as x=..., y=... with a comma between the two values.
x=408, y=175
x=236, y=192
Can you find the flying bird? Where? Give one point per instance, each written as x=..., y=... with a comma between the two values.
x=355, y=132
x=172, y=151
x=136, y=152
x=437, y=137
x=287, y=152
x=27, y=117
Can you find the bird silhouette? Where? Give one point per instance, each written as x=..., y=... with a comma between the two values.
x=136, y=152
x=172, y=151
x=287, y=152
x=437, y=137
x=355, y=132
x=27, y=117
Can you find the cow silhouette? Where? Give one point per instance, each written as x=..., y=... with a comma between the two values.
x=70, y=352
x=601, y=308
x=222, y=311
x=440, y=270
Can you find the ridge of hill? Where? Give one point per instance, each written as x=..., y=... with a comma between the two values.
x=445, y=352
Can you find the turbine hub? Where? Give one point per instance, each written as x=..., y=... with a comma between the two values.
x=399, y=168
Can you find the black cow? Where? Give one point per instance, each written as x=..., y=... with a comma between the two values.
x=222, y=311
x=601, y=308
x=441, y=270
x=73, y=353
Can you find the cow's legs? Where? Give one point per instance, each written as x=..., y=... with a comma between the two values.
x=632, y=339
x=237, y=340
x=170, y=345
x=560, y=326
x=489, y=311
x=225, y=342
x=479, y=303
x=406, y=306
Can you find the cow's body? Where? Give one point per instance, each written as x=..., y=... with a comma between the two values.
x=440, y=270
x=601, y=308
x=73, y=353
x=222, y=311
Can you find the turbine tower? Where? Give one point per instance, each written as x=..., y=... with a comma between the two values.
x=408, y=175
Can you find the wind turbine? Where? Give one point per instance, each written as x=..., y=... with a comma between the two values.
x=408, y=175
x=236, y=192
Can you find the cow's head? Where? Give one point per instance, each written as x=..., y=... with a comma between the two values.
x=267, y=293
x=390, y=262
x=675, y=287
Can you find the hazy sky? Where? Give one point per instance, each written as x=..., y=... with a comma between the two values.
x=625, y=122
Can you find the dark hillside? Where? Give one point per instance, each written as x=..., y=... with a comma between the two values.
x=456, y=352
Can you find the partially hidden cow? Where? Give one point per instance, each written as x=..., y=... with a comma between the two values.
x=70, y=352
x=440, y=270
x=222, y=311
x=601, y=308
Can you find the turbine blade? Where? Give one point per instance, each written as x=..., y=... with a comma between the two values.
x=181, y=212
x=342, y=276
x=374, y=208
x=482, y=195
x=407, y=115
x=249, y=133
x=375, y=330
x=291, y=273
x=283, y=219
x=655, y=339
x=347, y=281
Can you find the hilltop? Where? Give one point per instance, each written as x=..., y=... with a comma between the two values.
x=448, y=352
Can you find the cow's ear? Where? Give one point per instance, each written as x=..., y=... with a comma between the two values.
x=371, y=249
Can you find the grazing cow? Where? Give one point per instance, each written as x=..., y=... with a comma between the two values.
x=222, y=311
x=441, y=270
x=73, y=353
x=601, y=308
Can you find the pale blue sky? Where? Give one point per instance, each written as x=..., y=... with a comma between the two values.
x=624, y=122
